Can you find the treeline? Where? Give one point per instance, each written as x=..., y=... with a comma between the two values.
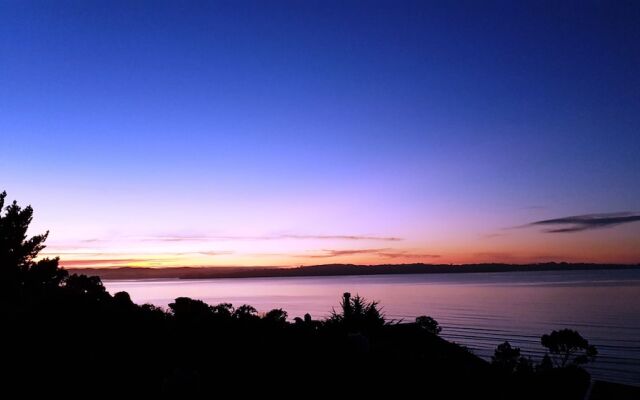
x=332, y=270
x=65, y=334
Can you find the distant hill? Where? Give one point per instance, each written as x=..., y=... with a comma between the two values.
x=330, y=270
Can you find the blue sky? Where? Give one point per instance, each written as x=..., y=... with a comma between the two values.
x=441, y=123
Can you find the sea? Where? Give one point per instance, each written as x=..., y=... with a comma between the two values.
x=478, y=310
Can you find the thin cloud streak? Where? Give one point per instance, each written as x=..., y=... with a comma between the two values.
x=579, y=223
x=406, y=254
x=185, y=238
x=385, y=252
x=507, y=257
x=108, y=262
x=129, y=254
x=492, y=235
x=214, y=253
x=340, y=253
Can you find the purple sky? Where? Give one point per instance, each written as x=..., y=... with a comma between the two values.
x=287, y=133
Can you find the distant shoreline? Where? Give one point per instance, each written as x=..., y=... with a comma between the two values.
x=138, y=273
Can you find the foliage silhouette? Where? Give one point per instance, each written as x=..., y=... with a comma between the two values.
x=245, y=313
x=184, y=308
x=278, y=316
x=508, y=360
x=357, y=315
x=20, y=275
x=568, y=348
x=545, y=364
x=429, y=324
x=73, y=336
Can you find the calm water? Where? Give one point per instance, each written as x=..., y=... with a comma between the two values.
x=478, y=310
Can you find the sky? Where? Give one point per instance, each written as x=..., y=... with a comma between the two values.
x=193, y=133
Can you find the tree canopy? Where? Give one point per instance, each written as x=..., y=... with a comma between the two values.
x=108, y=340
x=567, y=347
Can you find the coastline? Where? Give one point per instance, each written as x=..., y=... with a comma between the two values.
x=144, y=273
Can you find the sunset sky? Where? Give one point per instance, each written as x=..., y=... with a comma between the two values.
x=298, y=133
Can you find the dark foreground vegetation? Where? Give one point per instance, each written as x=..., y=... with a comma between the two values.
x=64, y=334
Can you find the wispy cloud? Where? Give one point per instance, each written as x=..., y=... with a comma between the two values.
x=191, y=238
x=95, y=245
x=107, y=262
x=386, y=253
x=339, y=253
x=341, y=237
x=534, y=207
x=215, y=253
x=406, y=254
x=502, y=256
x=579, y=223
x=64, y=254
x=492, y=235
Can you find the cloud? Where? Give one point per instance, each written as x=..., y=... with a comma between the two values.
x=215, y=253
x=492, y=235
x=99, y=243
x=339, y=253
x=406, y=254
x=191, y=238
x=105, y=259
x=579, y=223
x=129, y=254
x=386, y=253
x=506, y=257
x=106, y=262
x=534, y=208
x=342, y=237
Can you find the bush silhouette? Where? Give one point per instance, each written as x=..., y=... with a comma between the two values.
x=429, y=324
x=16, y=251
x=307, y=323
x=88, y=287
x=567, y=347
x=223, y=310
x=357, y=314
x=123, y=301
x=508, y=359
x=184, y=308
x=245, y=313
x=19, y=273
x=277, y=315
x=109, y=342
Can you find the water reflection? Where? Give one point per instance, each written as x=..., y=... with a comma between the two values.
x=479, y=310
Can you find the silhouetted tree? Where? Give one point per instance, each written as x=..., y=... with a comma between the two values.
x=307, y=322
x=509, y=360
x=506, y=357
x=110, y=342
x=18, y=270
x=277, y=315
x=307, y=318
x=429, y=324
x=184, y=308
x=357, y=314
x=545, y=365
x=567, y=347
x=223, y=310
x=45, y=274
x=245, y=313
x=16, y=251
x=88, y=287
x=149, y=312
x=122, y=301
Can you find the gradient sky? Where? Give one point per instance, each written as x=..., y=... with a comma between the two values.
x=306, y=132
